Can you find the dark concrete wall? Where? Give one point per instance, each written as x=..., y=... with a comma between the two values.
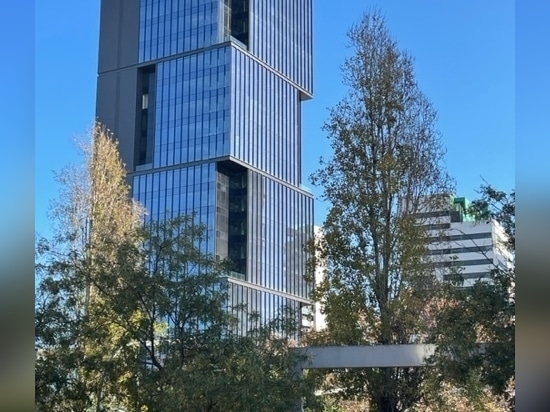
x=116, y=108
x=118, y=35
x=117, y=81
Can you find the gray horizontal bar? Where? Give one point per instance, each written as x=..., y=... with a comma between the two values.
x=376, y=356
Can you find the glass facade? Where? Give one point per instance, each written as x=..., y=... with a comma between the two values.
x=281, y=37
x=185, y=190
x=276, y=32
x=192, y=108
x=258, y=301
x=219, y=90
x=170, y=27
x=278, y=230
x=265, y=121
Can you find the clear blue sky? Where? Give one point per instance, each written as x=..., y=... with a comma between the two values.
x=465, y=61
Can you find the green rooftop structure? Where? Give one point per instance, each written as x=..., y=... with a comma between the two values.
x=460, y=208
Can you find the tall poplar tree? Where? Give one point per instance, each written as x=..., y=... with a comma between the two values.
x=386, y=166
x=95, y=219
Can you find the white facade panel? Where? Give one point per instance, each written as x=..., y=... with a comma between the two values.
x=475, y=247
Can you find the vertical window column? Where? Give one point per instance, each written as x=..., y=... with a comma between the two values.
x=232, y=216
x=237, y=220
x=145, y=129
x=239, y=20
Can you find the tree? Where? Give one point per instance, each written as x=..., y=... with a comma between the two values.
x=95, y=217
x=133, y=316
x=385, y=168
x=191, y=354
x=483, y=313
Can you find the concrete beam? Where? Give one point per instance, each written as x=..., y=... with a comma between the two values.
x=376, y=356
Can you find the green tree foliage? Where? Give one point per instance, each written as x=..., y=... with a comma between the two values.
x=191, y=354
x=483, y=313
x=326, y=404
x=133, y=317
x=385, y=168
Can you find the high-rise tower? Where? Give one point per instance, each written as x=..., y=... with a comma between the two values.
x=459, y=242
x=204, y=97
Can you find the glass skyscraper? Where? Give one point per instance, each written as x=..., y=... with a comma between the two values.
x=205, y=98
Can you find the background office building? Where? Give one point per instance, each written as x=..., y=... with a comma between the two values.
x=205, y=98
x=458, y=241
